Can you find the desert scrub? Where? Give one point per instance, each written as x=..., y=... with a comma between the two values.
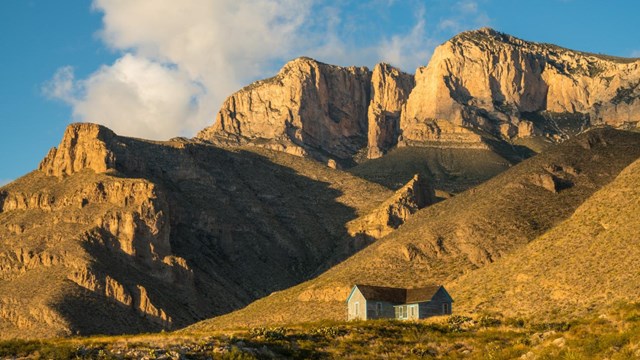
x=458, y=322
x=488, y=320
x=273, y=333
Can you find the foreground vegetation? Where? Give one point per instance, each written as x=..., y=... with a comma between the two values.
x=614, y=335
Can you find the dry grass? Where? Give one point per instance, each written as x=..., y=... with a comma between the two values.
x=613, y=335
x=578, y=267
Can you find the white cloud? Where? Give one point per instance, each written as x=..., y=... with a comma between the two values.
x=467, y=15
x=180, y=59
x=410, y=50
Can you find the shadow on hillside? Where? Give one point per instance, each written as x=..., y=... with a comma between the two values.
x=450, y=169
x=245, y=225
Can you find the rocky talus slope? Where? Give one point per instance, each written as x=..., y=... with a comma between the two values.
x=462, y=234
x=481, y=90
x=114, y=234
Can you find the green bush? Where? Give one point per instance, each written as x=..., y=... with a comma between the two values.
x=237, y=354
x=329, y=331
x=561, y=326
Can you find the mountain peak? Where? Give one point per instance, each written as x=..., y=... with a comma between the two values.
x=84, y=145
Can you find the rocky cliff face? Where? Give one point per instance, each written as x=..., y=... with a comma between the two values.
x=395, y=211
x=308, y=106
x=127, y=235
x=479, y=87
x=326, y=112
x=512, y=88
x=390, y=89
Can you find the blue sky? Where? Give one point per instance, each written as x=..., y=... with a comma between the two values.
x=160, y=68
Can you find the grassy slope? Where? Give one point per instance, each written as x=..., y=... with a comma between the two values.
x=458, y=235
x=585, y=263
x=615, y=335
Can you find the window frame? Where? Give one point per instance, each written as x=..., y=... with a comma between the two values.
x=446, y=308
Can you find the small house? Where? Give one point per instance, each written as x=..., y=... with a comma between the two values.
x=379, y=302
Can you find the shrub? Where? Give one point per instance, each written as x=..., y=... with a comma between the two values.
x=237, y=354
x=549, y=326
x=274, y=333
x=489, y=321
x=515, y=322
x=456, y=322
x=329, y=331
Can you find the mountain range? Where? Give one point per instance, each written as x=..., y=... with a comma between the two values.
x=504, y=169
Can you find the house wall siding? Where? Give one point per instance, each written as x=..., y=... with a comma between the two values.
x=434, y=307
x=387, y=311
x=357, y=298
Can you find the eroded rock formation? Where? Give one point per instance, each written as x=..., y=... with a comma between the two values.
x=307, y=106
x=127, y=235
x=395, y=211
x=479, y=87
x=513, y=88
x=390, y=89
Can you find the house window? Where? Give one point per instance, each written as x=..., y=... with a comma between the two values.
x=446, y=309
x=413, y=311
x=356, y=308
x=400, y=312
x=378, y=309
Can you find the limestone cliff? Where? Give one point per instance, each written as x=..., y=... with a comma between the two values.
x=479, y=88
x=308, y=106
x=83, y=146
x=390, y=89
x=512, y=88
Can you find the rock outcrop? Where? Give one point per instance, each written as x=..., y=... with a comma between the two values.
x=127, y=235
x=512, y=88
x=390, y=89
x=395, y=211
x=308, y=106
x=83, y=146
x=480, y=87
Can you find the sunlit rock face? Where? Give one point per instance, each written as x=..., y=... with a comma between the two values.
x=479, y=85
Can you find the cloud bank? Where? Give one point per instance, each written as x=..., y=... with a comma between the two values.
x=180, y=59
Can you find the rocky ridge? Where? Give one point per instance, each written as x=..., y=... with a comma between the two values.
x=128, y=235
x=512, y=88
x=480, y=88
x=395, y=211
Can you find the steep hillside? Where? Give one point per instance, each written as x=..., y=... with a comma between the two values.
x=579, y=267
x=451, y=170
x=114, y=234
x=481, y=90
x=461, y=234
